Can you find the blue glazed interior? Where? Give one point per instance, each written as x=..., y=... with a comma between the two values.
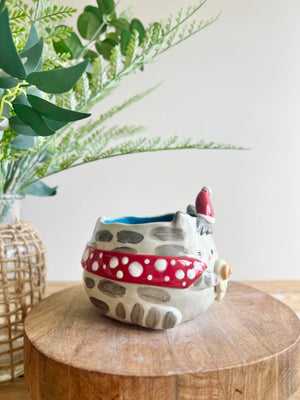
x=137, y=220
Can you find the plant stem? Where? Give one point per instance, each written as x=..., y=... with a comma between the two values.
x=36, y=11
x=90, y=42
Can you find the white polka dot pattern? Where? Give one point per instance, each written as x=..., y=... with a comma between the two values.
x=125, y=260
x=176, y=272
x=95, y=266
x=191, y=274
x=161, y=265
x=179, y=274
x=86, y=255
x=114, y=262
x=120, y=274
x=135, y=269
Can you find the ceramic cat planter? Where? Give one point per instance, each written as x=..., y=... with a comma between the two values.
x=156, y=272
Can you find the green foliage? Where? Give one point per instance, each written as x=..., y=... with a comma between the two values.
x=58, y=80
x=10, y=61
x=51, y=76
x=39, y=188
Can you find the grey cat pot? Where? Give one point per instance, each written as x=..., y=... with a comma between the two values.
x=156, y=272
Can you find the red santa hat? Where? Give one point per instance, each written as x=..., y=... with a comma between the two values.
x=204, y=207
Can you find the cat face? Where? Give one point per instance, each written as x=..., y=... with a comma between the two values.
x=207, y=251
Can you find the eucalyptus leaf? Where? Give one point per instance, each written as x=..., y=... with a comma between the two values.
x=59, y=80
x=55, y=125
x=22, y=99
x=22, y=142
x=125, y=39
x=71, y=44
x=7, y=81
x=10, y=60
x=33, y=56
x=19, y=127
x=74, y=44
x=6, y=111
x=39, y=188
x=107, y=6
x=138, y=26
x=61, y=47
x=105, y=47
x=96, y=11
x=2, y=5
x=32, y=39
x=120, y=24
x=36, y=92
x=91, y=55
x=53, y=112
x=114, y=37
x=87, y=25
x=33, y=119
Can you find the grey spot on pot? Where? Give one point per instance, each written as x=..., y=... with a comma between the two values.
x=198, y=281
x=120, y=311
x=101, y=305
x=104, y=236
x=137, y=314
x=111, y=289
x=89, y=283
x=125, y=250
x=169, y=320
x=167, y=234
x=155, y=295
x=129, y=237
x=208, y=279
x=170, y=250
x=152, y=318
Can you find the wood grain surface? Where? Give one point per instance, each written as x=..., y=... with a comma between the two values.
x=286, y=291
x=246, y=347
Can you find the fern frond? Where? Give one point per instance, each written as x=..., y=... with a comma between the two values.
x=19, y=5
x=132, y=48
x=99, y=76
x=153, y=37
x=52, y=12
x=83, y=95
x=58, y=33
x=91, y=125
x=192, y=30
x=113, y=133
x=16, y=30
x=56, y=60
x=115, y=62
x=18, y=14
x=67, y=162
x=93, y=141
x=66, y=100
x=43, y=169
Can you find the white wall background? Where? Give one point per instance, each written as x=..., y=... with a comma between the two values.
x=236, y=82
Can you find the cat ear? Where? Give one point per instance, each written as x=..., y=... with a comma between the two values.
x=191, y=210
x=180, y=219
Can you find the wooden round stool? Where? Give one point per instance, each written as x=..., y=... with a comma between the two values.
x=246, y=347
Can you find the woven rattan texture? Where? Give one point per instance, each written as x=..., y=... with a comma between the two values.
x=22, y=284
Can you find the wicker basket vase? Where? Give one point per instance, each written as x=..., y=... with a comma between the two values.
x=22, y=284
